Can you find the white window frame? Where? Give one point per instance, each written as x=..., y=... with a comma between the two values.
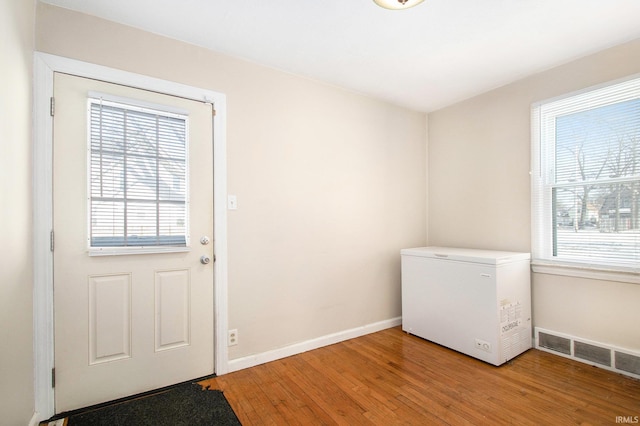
x=136, y=105
x=543, y=260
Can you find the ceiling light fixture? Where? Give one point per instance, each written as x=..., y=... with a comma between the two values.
x=397, y=4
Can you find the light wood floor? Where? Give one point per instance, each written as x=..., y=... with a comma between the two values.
x=390, y=377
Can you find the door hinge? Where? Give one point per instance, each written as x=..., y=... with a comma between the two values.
x=53, y=377
x=213, y=112
x=52, y=106
x=51, y=241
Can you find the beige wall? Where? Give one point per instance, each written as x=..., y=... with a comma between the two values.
x=17, y=19
x=330, y=184
x=479, y=192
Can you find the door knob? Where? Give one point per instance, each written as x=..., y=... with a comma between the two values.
x=204, y=259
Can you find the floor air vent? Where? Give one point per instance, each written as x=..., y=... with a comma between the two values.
x=555, y=343
x=629, y=363
x=592, y=353
x=601, y=355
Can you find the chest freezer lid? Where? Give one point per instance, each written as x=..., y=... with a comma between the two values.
x=489, y=257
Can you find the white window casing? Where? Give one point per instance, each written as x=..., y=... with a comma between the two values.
x=585, y=179
x=138, y=177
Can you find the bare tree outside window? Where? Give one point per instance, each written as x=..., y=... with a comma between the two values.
x=597, y=182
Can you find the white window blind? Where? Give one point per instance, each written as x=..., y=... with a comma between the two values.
x=137, y=176
x=586, y=177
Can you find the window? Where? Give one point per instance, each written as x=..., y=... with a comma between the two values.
x=586, y=178
x=138, y=176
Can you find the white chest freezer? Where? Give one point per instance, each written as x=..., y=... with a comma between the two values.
x=477, y=302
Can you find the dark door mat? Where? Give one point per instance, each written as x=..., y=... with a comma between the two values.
x=188, y=404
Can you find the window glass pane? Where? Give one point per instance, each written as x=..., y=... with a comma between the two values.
x=597, y=222
x=137, y=176
x=107, y=223
x=172, y=222
x=141, y=223
x=599, y=143
x=171, y=180
x=141, y=178
x=171, y=138
x=107, y=129
x=107, y=175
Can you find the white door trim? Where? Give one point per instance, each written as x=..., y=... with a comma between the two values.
x=44, y=67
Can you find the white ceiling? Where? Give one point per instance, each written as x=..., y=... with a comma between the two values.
x=424, y=58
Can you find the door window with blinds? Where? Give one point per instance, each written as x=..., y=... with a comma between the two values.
x=586, y=177
x=138, y=196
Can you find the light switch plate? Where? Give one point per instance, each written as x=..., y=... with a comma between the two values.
x=232, y=202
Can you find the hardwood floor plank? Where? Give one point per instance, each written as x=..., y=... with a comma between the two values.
x=392, y=385
x=288, y=405
x=302, y=385
x=446, y=391
x=392, y=378
x=360, y=393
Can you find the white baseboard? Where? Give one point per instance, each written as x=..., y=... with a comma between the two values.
x=298, y=348
x=35, y=419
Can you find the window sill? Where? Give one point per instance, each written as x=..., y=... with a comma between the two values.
x=120, y=251
x=604, y=273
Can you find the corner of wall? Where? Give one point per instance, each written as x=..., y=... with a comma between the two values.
x=426, y=168
x=17, y=32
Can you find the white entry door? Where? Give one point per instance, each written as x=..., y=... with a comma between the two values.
x=133, y=224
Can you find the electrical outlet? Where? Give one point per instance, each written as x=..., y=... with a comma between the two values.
x=232, y=338
x=483, y=345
